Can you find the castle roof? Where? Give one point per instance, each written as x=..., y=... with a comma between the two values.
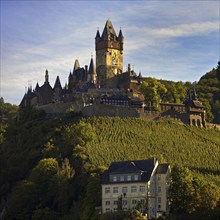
x=76, y=66
x=91, y=67
x=97, y=34
x=57, y=83
x=108, y=30
x=120, y=35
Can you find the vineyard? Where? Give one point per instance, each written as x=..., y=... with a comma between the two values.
x=130, y=139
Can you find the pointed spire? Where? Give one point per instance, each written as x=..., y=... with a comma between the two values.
x=194, y=97
x=120, y=35
x=92, y=70
x=37, y=87
x=76, y=66
x=46, y=76
x=140, y=75
x=108, y=31
x=97, y=34
x=57, y=83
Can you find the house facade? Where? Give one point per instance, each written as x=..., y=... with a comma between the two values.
x=140, y=184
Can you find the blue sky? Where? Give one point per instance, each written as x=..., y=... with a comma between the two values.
x=175, y=40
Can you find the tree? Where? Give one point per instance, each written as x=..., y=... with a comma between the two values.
x=181, y=191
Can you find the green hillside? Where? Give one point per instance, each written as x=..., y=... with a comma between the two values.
x=130, y=139
x=51, y=167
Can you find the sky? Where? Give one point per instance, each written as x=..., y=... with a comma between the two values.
x=176, y=40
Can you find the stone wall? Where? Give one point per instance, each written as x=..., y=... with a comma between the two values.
x=110, y=110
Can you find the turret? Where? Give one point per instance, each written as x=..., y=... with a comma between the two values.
x=57, y=83
x=76, y=66
x=92, y=72
x=97, y=37
x=46, y=77
x=194, y=97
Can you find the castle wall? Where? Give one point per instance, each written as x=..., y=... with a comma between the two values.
x=111, y=111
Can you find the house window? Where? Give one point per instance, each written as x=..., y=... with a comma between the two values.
x=142, y=201
x=122, y=178
x=133, y=189
x=135, y=177
x=134, y=201
x=115, y=189
x=114, y=178
x=115, y=202
x=107, y=203
x=128, y=178
x=107, y=209
x=124, y=202
x=107, y=190
x=159, y=189
x=115, y=209
x=124, y=189
x=158, y=177
x=159, y=199
x=142, y=188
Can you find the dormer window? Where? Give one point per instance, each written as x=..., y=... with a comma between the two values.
x=122, y=178
x=114, y=178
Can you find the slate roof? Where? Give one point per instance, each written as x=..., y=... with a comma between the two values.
x=197, y=104
x=58, y=83
x=162, y=168
x=143, y=167
x=108, y=29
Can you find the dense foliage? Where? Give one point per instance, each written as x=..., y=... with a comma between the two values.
x=208, y=91
x=51, y=167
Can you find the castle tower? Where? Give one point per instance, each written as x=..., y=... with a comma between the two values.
x=92, y=73
x=109, y=54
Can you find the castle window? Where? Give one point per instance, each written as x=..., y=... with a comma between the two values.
x=107, y=203
x=159, y=189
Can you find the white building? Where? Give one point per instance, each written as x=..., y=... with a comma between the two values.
x=140, y=184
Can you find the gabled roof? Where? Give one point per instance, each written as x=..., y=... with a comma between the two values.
x=162, y=168
x=143, y=167
x=108, y=29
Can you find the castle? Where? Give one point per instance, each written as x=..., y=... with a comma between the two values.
x=105, y=89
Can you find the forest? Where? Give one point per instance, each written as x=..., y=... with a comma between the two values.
x=51, y=167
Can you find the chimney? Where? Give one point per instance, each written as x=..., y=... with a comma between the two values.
x=129, y=67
